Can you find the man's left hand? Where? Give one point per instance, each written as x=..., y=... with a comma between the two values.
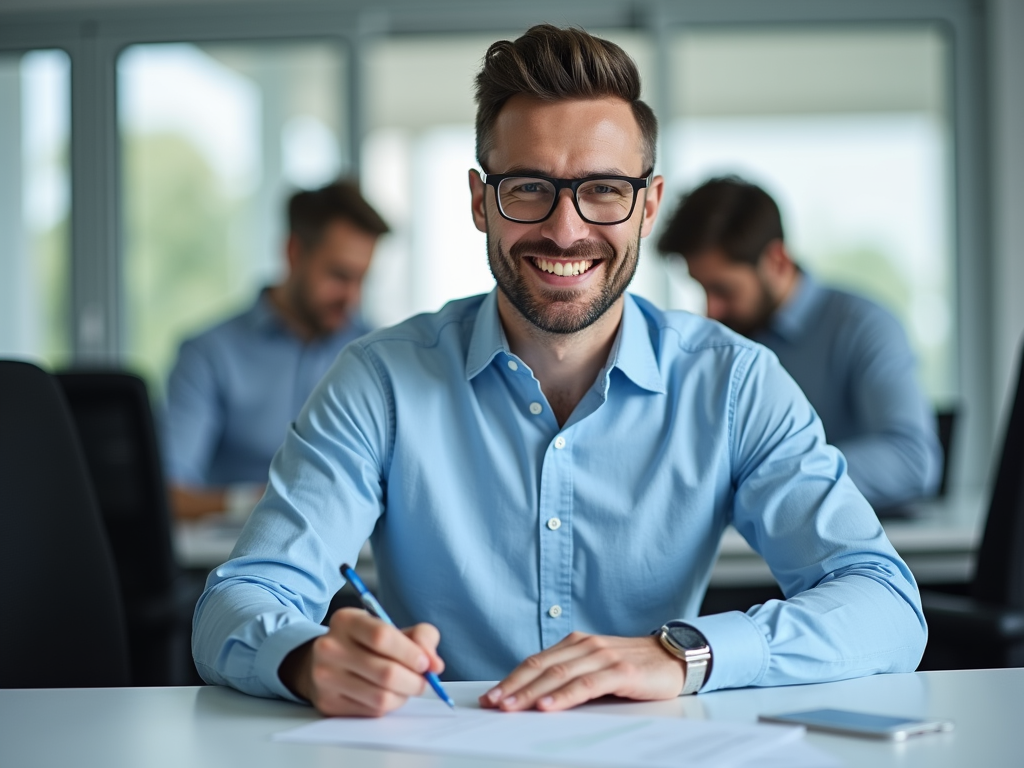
x=583, y=667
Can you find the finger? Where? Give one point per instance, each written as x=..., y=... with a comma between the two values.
x=346, y=694
x=585, y=687
x=579, y=670
x=427, y=636
x=382, y=639
x=335, y=658
x=569, y=648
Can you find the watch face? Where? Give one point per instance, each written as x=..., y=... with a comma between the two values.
x=686, y=637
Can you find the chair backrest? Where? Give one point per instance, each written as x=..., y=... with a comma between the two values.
x=63, y=622
x=945, y=423
x=115, y=424
x=999, y=577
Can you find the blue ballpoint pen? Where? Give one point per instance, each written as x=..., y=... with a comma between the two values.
x=377, y=610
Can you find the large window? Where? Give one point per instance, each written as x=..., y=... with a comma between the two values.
x=849, y=131
x=214, y=138
x=34, y=206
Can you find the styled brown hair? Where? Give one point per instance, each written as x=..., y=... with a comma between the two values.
x=727, y=214
x=310, y=211
x=553, y=64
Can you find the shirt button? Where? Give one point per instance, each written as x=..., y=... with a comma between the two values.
x=554, y=524
x=536, y=408
x=559, y=442
x=555, y=611
x=513, y=365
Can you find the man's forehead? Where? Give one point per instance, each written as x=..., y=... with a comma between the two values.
x=567, y=136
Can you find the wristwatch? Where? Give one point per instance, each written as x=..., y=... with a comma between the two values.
x=686, y=643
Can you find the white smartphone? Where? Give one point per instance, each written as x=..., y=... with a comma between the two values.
x=859, y=723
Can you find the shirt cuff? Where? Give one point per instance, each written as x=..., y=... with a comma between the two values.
x=274, y=650
x=739, y=650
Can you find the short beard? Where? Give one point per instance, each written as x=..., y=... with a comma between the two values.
x=761, y=320
x=306, y=313
x=560, y=312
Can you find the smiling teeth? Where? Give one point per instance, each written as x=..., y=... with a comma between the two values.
x=566, y=268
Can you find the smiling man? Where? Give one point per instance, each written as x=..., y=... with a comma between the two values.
x=545, y=472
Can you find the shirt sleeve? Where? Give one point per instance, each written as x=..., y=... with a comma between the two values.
x=852, y=606
x=322, y=502
x=898, y=457
x=193, y=418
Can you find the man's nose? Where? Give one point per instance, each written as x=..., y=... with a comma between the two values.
x=564, y=226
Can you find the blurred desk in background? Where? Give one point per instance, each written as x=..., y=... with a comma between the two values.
x=937, y=538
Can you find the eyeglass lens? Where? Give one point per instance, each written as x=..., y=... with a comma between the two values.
x=600, y=200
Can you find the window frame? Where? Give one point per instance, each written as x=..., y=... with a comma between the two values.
x=93, y=39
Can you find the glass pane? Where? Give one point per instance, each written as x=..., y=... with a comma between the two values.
x=416, y=155
x=849, y=132
x=214, y=139
x=35, y=207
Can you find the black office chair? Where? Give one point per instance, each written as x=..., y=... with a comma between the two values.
x=986, y=627
x=63, y=622
x=115, y=423
x=945, y=424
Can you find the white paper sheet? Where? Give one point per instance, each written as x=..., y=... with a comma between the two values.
x=572, y=738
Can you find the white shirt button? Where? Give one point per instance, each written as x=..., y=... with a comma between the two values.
x=554, y=524
x=559, y=442
x=513, y=365
x=555, y=611
x=536, y=408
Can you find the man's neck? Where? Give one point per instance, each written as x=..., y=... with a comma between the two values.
x=566, y=365
x=788, y=288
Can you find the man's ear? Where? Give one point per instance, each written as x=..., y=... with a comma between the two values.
x=775, y=259
x=294, y=250
x=652, y=202
x=478, y=196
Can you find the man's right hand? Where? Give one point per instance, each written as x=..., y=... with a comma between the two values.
x=362, y=666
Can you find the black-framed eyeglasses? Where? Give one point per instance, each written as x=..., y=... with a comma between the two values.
x=598, y=199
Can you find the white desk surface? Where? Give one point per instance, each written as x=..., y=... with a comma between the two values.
x=938, y=544
x=216, y=727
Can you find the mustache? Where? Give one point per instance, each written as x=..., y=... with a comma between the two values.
x=583, y=250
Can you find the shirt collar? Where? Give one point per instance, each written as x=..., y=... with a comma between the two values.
x=632, y=353
x=488, y=337
x=263, y=316
x=793, y=317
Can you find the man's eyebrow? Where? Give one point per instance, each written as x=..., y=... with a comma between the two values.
x=524, y=171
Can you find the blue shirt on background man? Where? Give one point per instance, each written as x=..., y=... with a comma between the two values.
x=852, y=360
x=234, y=390
x=508, y=532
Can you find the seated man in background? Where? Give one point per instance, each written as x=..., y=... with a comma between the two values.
x=850, y=356
x=236, y=387
x=545, y=471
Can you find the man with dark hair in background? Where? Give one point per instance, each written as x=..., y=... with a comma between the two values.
x=236, y=387
x=545, y=471
x=850, y=356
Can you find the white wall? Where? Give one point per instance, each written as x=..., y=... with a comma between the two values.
x=1006, y=96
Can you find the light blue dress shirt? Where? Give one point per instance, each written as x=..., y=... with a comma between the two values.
x=508, y=532
x=853, y=361
x=234, y=391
